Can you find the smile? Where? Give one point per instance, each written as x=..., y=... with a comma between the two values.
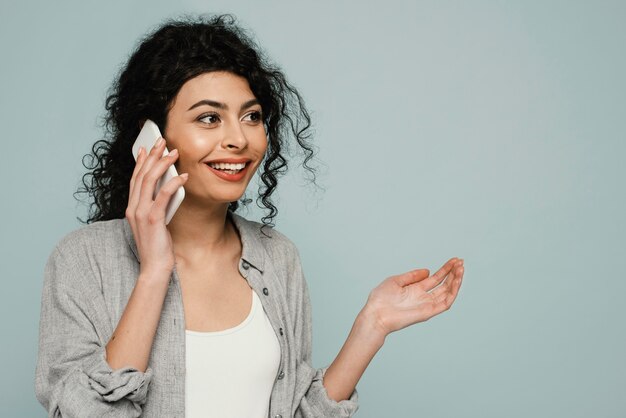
x=228, y=168
x=229, y=171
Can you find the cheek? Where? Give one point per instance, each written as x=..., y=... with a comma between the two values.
x=184, y=162
x=191, y=147
x=262, y=142
x=263, y=149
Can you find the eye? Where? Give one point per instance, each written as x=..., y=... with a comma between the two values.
x=209, y=118
x=254, y=116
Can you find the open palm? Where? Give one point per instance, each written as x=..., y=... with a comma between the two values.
x=414, y=296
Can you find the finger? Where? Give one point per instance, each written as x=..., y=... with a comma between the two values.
x=153, y=156
x=445, y=294
x=456, y=286
x=151, y=178
x=138, y=164
x=147, y=163
x=410, y=277
x=133, y=194
x=141, y=157
x=438, y=277
x=449, y=280
x=165, y=194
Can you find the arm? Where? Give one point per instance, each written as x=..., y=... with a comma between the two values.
x=73, y=378
x=75, y=373
x=363, y=343
x=396, y=303
x=131, y=343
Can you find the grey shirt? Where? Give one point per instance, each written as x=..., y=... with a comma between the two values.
x=88, y=280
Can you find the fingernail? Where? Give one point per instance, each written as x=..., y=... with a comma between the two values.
x=174, y=152
x=185, y=175
x=159, y=142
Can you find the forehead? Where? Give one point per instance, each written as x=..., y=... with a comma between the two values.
x=220, y=86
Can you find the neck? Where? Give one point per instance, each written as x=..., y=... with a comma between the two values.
x=200, y=230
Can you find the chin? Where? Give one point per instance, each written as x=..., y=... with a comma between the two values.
x=222, y=198
x=215, y=194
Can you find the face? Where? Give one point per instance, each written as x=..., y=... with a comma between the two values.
x=216, y=125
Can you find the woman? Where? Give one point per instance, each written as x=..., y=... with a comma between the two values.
x=208, y=315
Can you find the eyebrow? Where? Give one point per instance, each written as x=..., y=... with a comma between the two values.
x=219, y=105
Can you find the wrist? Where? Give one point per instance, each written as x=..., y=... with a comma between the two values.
x=367, y=325
x=157, y=277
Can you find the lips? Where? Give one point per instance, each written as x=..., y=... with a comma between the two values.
x=230, y=168
x=228, y=171
x=229, y=160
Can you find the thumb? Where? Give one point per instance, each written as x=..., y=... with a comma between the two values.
x=412, y=276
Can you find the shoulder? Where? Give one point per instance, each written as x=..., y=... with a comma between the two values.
x=80, y=257
x=93, y=238
x=266, y=236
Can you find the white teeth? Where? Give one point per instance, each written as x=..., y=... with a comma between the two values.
x=228, y=166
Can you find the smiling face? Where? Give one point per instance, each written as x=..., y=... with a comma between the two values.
x=216, y=125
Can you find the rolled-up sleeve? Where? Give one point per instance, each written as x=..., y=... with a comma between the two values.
x=315, y=403
x=72, y=377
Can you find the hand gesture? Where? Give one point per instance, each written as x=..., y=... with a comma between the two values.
x=412, y=297
x=146, y=212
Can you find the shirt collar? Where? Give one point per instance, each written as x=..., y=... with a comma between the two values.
x=252, y=248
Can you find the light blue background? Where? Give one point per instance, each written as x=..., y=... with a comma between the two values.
x=488, y=130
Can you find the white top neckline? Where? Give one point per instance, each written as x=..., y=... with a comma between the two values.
x=227, y=331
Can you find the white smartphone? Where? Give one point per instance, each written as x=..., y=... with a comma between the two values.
x=147, y=138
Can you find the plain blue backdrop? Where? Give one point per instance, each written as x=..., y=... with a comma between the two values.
x=488, y=130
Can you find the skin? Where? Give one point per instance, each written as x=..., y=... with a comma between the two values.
x=200, y=231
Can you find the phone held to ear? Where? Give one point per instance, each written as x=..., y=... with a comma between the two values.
x=147, y=138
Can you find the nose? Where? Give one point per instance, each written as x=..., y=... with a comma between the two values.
x=234, y=137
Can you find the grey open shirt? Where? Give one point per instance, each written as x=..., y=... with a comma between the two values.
x=87, y=283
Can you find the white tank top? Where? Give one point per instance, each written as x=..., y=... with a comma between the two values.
x=230, y=373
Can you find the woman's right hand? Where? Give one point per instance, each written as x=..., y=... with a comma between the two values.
x=146, y=215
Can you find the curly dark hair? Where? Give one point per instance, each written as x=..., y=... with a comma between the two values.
x=174, y=53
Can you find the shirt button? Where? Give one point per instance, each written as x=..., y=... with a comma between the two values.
x=265, y=291
x=281, y=331
x=281, y=375
x=278, y=416
x=245, y=265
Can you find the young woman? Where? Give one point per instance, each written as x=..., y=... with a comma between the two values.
x=209, y=315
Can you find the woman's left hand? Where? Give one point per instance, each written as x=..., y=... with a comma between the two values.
x=413, y=297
